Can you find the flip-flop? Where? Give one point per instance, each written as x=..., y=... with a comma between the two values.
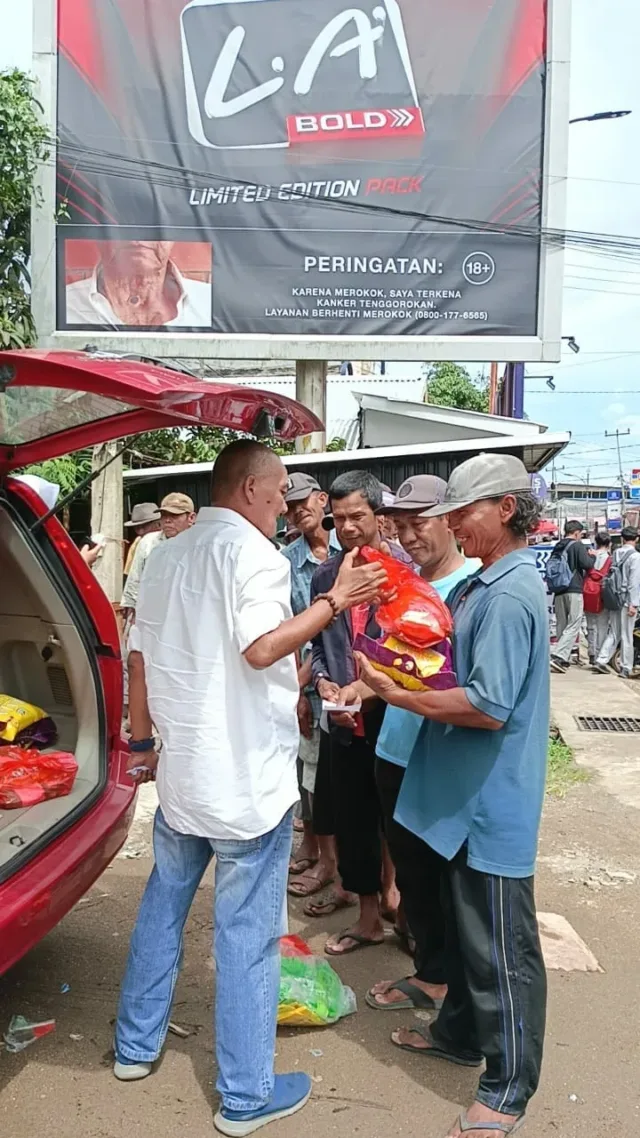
x=467, y=1127
x=360, y=942
x=301, y=865
x=325, y=907
x=435, y=1051
x=296, y=887
x=416, y=998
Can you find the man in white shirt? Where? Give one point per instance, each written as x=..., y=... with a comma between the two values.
x=136, y=284
x=216, y=640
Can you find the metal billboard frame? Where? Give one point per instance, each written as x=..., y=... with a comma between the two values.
x=544, y=347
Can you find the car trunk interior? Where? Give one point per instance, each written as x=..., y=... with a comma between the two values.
x=44, y=660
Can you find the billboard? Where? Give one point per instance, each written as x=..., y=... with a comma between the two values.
x=285, y=168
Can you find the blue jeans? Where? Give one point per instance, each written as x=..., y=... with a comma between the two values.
x=249, y=918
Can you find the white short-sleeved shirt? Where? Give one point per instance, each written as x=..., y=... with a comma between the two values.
x=229, y=731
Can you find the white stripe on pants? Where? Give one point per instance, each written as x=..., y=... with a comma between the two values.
x=569, y=611
x=597, y=628
x=620, y=631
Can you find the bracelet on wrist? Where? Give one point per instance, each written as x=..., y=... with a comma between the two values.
x=331, y=601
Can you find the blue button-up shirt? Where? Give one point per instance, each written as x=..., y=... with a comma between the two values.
x=303, y=566
x=481, y=787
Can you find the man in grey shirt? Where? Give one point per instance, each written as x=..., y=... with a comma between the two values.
x=622, y=623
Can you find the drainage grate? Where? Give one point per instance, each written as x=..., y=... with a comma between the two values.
x=619, y=724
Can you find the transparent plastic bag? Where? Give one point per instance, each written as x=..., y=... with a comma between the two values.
x=311, y=993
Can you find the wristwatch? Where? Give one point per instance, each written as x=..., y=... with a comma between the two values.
x=140, y=746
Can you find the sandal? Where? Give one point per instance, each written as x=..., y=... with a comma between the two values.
x=301, y=865
x=297, y=887
x=325, y=906
x=467, y=1127
x=360, y=942
x=416, y=998
x=436, y=1051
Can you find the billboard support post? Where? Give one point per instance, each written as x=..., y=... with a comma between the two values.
x=311, y=390
x=43, y=213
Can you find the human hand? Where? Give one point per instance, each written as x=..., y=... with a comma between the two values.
x=326, y=689
x=347, y=695
x=357, y=584
x=90, y=554
x=379, y=682
x=305, y=716
x=144, y=765
x=633, y=610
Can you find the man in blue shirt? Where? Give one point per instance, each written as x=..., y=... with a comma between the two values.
x=473, y=790
x=315, y=864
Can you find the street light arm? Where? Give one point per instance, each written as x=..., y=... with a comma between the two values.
x=599, y=116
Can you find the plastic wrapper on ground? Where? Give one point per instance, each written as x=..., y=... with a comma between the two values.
x=21, y=1033
x=311, y=993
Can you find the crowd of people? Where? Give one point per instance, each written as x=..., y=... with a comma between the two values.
x=601, y=587
x=418, y=809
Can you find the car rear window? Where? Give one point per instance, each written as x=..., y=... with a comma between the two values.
x=30, y=413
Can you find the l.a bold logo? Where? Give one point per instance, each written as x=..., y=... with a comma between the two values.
x=255, y=68
x=397, y=122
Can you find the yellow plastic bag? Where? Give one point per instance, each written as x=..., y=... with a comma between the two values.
x=16, y=715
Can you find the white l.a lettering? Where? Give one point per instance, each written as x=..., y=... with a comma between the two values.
x=364, y=43
x=215, y=105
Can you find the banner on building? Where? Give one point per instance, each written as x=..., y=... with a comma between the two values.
x=300, y=168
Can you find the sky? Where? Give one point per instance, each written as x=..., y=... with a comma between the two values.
x=598, y=390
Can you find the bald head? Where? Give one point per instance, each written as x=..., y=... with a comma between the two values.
x=251, y=480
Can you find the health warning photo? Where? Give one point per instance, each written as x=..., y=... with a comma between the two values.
x=373, y=169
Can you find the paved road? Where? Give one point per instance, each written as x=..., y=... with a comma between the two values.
x=62, y=1087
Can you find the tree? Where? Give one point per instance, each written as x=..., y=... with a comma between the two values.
x=450, y=385
x=24, y=143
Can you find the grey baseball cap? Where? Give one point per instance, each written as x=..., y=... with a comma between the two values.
x=300, y=487
x=415, y=495
x=142, y=514
x=485, y=476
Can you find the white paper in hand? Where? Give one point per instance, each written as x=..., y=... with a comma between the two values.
x=352, y=708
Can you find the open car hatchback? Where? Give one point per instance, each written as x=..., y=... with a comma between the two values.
x=59, y=639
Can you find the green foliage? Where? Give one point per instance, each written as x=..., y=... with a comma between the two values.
x=337, y=444
x=24, y=143
x=66, y=472
x=450, y=385
x=562, y=771
x=177, y=445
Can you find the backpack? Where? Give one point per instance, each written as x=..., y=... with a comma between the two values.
x=614, y=592
x=559, y=574
x=592, y=588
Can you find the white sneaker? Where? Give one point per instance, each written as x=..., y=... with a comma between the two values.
x=131, y=1072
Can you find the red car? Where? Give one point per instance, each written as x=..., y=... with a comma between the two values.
x=59, y=644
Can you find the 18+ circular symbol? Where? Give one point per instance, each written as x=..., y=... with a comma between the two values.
x=478, y=268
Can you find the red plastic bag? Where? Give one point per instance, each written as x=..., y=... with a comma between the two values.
x=416, y=614
x=27, y=777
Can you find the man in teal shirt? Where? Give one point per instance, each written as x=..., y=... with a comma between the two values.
x=432, y=546
x=473, y=791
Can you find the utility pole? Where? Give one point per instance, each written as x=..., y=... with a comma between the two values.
x=616, y=434
x=106, y=517
x=311, y=390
